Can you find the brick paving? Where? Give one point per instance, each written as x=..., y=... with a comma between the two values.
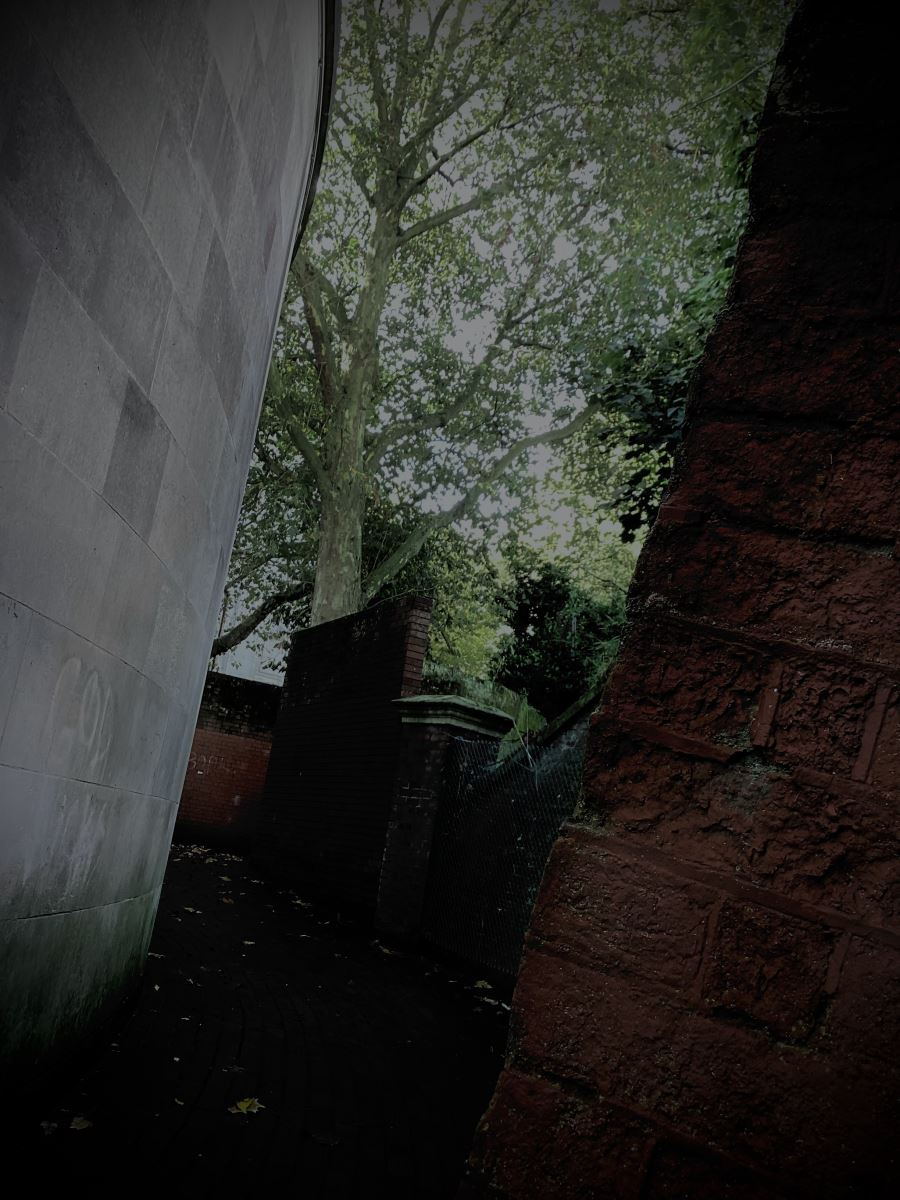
x=371, y=1068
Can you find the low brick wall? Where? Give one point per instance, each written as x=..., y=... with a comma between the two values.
x=226, y=775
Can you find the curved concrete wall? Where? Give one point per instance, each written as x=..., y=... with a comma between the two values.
x=153, y=161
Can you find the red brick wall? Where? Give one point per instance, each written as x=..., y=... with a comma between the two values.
x=335, y=753
x=223, y=787
x=709, y=1003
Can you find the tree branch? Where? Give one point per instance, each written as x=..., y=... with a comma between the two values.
x=433, y=113
x=277, y=392
x=727, y=88
x=375, y=66
x=450, y=214
x=479, y=200
x=451, y=45
x=436, y=21
x=416, y=540
x=278, y=469
x=321, y=355
x=311, y=283
x=439, y=163
x=310, y=454
x=337, y=145
x=402, y=76
x=310, y=279
x=513, y=316
x=240, y=632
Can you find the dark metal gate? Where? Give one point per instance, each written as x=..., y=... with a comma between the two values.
x=496, y=824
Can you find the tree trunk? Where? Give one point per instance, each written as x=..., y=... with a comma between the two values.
x=337, y=589
x=338, y=586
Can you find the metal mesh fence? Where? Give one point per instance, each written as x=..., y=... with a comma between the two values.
x=496, y=825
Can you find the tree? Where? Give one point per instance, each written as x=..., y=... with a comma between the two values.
x=642, y=387
x=562, y=637
x=641, y=376
x=458, y=575
x=486, y=164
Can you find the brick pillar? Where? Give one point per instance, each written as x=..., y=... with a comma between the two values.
x=333, y=764
x=429, y=723
x=709, y=1005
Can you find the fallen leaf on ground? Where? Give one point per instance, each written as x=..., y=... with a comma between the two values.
x=153, y=954
x=226, y=900
x=156, y=987
x=481, y=983
x=326, y=1139
x=246, y=943
x=80, y=1123
x=248, y=1105
x=180, y=1103
x=193, y=910
x=225, y=878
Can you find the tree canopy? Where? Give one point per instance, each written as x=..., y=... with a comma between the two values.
x=562, y=633
x=518, y=198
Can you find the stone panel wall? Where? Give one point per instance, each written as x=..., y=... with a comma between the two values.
x=153, y=161
x=709, y=1004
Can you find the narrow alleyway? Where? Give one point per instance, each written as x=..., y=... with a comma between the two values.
x=370, y=1069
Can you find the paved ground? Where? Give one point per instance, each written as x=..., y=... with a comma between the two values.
x=370, y=1069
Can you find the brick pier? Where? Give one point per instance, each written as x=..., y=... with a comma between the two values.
x=709, y=1004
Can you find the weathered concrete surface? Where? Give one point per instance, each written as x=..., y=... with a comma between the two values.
x=709, y=1002
x=153, y=162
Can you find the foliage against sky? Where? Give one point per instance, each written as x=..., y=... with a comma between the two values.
x=515, y=193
